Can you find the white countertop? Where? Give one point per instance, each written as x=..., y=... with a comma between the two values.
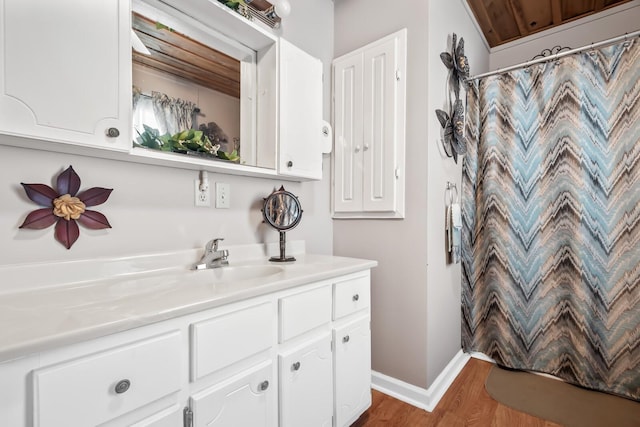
x=40, y=318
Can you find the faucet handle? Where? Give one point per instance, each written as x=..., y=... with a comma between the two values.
x=213, y=244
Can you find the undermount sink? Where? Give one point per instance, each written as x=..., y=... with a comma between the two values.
x=158, y=283
x=243, y=272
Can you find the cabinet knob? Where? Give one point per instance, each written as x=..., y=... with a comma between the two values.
x=289, y=164
x=357, y=148
x=366, y=147
x=113, y=132
x=122, y=386
x=356, y=297
x=295, y=366
x=263, y=385
x=345, y=338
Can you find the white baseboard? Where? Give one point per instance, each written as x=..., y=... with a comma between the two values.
x=481, y=356
x=426, y=399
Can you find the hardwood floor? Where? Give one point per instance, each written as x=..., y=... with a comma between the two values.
x=466, y=403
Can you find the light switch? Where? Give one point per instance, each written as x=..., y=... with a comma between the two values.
x=223, y=195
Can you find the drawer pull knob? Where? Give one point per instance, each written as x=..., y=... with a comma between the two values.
x=289, y=164
x=113, y=132
x=122, y=386
x=356, y=297
x=345, y=338
x=263, y=385
x=295, y=366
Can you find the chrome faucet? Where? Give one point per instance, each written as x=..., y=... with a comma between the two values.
x=212, y=257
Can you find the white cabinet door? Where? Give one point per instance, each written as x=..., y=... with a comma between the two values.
x=369, y=124
x=300, y=108
x=352, y=370
x=248, y=399
x=66, y=76
x=306, y=397
x=379, y=142
x=170, y=417
x=348, y=127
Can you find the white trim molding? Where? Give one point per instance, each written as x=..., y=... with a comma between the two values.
x=426, y=399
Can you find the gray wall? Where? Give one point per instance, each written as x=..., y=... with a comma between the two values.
x=151, y=208
x=416, y=296
x=443, y=282
x=399, y=291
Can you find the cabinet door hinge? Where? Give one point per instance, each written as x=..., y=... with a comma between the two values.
x=398, y=76
x=397, y=172
x=187, y=417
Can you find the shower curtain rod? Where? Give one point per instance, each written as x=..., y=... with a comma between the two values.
x=613, y=40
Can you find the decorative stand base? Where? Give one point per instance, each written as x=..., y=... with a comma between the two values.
x=279, y=259
x=283, y=245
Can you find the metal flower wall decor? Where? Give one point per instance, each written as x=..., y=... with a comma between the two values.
x=453, y=140
x=66, y=207
x=457, y=63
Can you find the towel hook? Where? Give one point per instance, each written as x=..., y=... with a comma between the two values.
x=451, y=186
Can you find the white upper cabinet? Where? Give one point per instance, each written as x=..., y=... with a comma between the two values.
x=369, y=95
x=65, y=71
x=66, y=84
x=300, y=121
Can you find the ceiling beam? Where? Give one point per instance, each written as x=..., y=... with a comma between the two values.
x=521, y=22
x=485, y=22
x=556, y=11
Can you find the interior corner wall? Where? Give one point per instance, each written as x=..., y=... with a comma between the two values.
x=444, y=279
x=152, y=207
x=399, y=306
x=592, y=29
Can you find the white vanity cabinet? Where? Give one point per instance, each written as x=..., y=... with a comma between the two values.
x=170, y=417
x=65, y=72
x=306, y=386
x=305, y=358
x=233, y=350
x=369, y=92
x=97, y=388
x=352, y=347
x=247, y=399
x=275, y=359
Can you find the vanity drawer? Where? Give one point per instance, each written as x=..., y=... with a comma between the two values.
x=100, y=387
x=231, y=337
x=351, y=295
x=304, y=311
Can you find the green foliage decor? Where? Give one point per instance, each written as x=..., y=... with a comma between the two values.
x=188, y=141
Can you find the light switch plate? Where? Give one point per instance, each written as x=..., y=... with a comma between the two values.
x=223, y=195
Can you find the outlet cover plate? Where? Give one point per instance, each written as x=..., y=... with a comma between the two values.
x=202, y=198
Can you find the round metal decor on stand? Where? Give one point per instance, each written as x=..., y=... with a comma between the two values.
x=282, y=211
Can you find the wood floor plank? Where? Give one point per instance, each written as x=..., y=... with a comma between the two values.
x=465, y=404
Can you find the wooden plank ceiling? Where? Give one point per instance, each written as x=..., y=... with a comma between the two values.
x=503, y=21
x=177, y=54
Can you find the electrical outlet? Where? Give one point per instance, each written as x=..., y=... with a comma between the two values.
x=223, y=195
x=203, y=197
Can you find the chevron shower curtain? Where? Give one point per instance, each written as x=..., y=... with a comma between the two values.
x=551, y=219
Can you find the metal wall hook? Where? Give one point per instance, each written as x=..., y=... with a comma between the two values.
x=451, y=188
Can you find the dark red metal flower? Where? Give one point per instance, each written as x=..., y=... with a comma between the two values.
x=65, y=207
